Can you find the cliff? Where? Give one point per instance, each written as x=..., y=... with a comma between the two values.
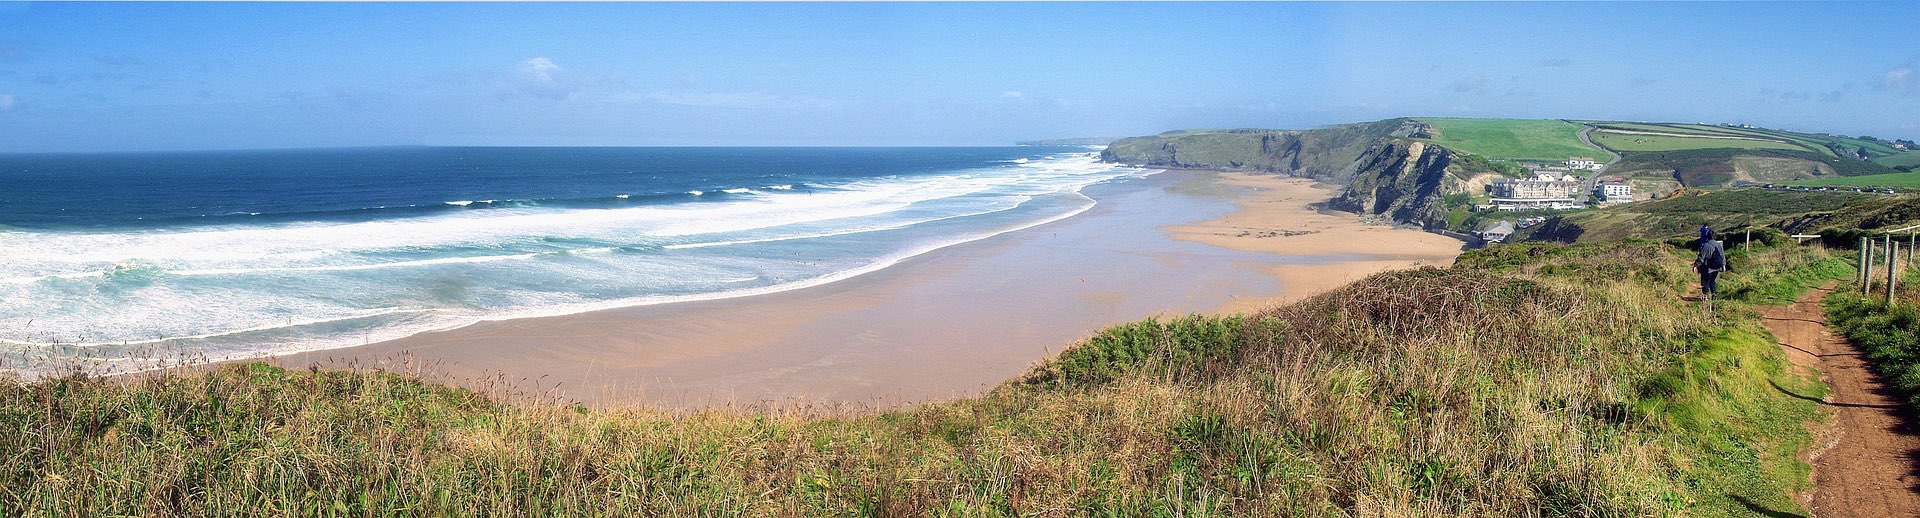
x=1328, y=154
x=1384, y=169
x=1402, y=180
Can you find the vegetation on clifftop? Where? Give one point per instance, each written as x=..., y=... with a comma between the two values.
x=1325, y=153
x=1511, y=384
x=1835, y=215
x=1546, y=140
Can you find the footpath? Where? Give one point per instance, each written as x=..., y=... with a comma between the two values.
x=1866, y=460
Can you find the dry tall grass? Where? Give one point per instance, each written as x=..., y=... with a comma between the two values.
x=1528, y=381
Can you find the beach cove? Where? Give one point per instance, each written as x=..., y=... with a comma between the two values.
x=949, y=323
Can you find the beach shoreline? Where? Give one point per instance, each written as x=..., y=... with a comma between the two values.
x=949, y=323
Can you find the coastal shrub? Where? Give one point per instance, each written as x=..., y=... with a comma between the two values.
x=1185, y=348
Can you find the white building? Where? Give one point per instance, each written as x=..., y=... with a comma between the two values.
x=1545, y=184
x=1519, y=204
x=1616, y=191
x=1498, y=232
x=1581, y=162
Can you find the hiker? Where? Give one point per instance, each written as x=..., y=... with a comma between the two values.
x=1711, y=261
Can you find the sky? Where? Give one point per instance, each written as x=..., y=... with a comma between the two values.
x=123, y=77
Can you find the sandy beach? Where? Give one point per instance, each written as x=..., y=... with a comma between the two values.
x=953, y=322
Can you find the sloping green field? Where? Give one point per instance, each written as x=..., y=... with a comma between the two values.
x=1895, y=180
x=1681, y=216
x=1907, y=159
x=1830, y=145
x=1635, y=142
x=1513, y=139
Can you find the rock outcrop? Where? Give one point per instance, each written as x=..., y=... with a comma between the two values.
x=1403, y=180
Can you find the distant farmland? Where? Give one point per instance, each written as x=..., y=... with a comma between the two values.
x=1514, y=139
x=1907, y=159
x=1627, y=136
x=1894, y=180
x=1639, y=142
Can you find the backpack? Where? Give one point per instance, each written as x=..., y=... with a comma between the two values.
x=1716, y=258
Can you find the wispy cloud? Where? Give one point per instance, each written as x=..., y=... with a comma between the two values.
x=1900, y=80
x=1838, y=94
x=1556, y=62
x=6, y=101
x=1469, y=84
x=541, y=77
x=1012, y=94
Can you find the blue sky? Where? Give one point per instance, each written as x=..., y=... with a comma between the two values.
x=217, y=76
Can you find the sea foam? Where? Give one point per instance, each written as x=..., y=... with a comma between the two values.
x=241, y=290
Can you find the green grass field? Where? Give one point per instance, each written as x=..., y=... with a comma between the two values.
x=1895, y=180
x=1513, y=139
x=1907, y=159
x=1823, y=144
x=1818, y=145
x=1627, y=142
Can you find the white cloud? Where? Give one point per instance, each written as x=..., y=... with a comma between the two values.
x=1900, y=80
x=539, y=69
x=1012, y=94
x=6, y=101
x=541, y=77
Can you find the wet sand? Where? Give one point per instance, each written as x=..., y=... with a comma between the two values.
x=953, y=322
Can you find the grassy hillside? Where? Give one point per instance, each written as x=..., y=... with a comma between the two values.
x=1512, y=139
x=1718, y=167
x=1895, y=180
x=1906, y=159
x=1845, y=225
x=1681, y=215
x=1837, y=216
x=1640, y=142
x=1511, y=384
x=1829, y=145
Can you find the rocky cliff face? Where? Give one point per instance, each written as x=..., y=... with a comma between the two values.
x=1384, y=170
x=1403, y=180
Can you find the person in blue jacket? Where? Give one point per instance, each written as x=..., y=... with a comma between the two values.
x=1711, y=261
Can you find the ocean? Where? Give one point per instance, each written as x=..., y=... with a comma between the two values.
x=123, y=261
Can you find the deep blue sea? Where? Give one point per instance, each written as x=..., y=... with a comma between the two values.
x=121, y=258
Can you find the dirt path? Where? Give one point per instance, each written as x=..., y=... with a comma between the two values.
x=1864, y=462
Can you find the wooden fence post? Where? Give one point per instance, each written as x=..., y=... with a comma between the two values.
x=1893, y=254
x=1866, y=264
